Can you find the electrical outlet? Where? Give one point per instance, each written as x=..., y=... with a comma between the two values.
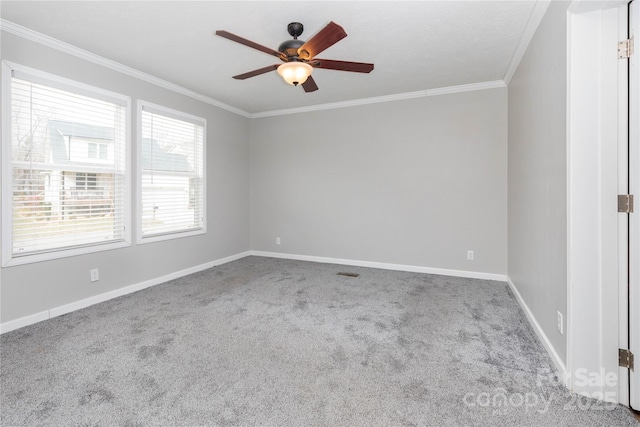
x=470, y=255
x=560, y=323
x=95, y=274
x=277, y=240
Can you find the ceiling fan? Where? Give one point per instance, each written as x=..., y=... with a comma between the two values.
x=299, y=57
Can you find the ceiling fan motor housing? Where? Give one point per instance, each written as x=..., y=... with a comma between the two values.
x=290, y=48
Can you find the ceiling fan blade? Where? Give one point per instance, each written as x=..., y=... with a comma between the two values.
x=310, y=85
x=326, y=37
x=238, y=39
x=330, y=64
x=256, y=72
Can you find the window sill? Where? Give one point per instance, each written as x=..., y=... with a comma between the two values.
x=170, y=236
x=63, y=253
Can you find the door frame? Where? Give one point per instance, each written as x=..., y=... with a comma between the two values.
x=597, y=320
x=634, y=217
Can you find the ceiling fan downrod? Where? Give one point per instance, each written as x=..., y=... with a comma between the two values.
x=295, y=29
x=290, y=47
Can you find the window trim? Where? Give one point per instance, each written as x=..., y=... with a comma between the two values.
x=6, y=208
x=179, y=115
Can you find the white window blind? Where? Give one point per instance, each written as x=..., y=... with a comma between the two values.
x=172, y=172
x=63, y=196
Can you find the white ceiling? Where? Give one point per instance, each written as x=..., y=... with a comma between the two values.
x=415, y=45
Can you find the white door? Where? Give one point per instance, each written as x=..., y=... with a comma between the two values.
x=634, y=218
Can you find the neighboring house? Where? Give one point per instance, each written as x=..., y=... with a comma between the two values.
x=164, y=183
x=69, y=191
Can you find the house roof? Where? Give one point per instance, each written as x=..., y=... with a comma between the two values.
x=153, y=157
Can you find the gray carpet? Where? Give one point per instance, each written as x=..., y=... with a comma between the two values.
x=272, y=342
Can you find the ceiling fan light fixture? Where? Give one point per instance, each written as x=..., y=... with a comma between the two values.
x=295, y=72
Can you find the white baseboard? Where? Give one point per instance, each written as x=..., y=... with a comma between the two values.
x=385, y=266
x=555, y=357
x=77, y=305
x=24, y=321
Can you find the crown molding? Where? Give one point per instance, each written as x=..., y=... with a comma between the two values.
x=67, y=48
x=387, y=98
x=539, y=9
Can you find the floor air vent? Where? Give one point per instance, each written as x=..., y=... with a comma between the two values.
x=342, y=273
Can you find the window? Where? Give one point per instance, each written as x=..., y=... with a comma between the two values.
x=171, y=180
x=62, y=193
x=85, y=181
x=97, y=151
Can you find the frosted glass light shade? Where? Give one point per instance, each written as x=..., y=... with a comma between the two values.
x=295, y=73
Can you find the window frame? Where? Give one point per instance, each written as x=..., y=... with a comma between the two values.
x=178, y=115
x=6, y=209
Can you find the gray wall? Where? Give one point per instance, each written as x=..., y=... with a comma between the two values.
x=537, y=175
x=416, y=182
x=33, y=288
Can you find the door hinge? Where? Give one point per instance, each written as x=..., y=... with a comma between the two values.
x=625, y=48
x=625, y=358
x=625, y=203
